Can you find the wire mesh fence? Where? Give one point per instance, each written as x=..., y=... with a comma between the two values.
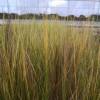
x=51, y=6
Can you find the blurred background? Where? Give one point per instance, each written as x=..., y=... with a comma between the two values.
x=61, y=7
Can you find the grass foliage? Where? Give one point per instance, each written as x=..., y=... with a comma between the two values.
x=49, y=61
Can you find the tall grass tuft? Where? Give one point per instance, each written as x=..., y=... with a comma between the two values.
x=49, y=61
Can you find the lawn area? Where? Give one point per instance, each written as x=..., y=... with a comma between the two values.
x=49, y=61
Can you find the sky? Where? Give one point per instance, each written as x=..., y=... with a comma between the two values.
x=61, y=7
